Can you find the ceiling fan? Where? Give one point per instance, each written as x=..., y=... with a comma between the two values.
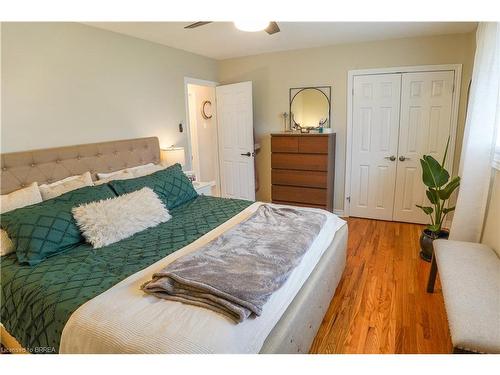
x=268, y=27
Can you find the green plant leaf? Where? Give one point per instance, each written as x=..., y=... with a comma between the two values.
x=449, y=209
x=435, y=228
x=445, y=151
x=433, y=174
x=427, y=210
x=446, y=192
x=432, y=195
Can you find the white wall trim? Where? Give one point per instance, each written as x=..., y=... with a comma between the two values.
x=193, y=81
x=339, y=212
x=200, y=82
x=193, y=134
x=457, y=68
x=404, y=69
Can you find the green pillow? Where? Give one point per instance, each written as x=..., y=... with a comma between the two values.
x=47, y=228
x=171, y=185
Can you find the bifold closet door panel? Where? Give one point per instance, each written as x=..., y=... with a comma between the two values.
x=426, y=104
x=376, y=107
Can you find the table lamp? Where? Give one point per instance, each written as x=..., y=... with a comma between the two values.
x=172, y=155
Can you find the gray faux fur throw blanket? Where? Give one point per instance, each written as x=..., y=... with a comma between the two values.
x=236, y=273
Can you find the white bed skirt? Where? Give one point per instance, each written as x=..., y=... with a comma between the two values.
x=298, y=326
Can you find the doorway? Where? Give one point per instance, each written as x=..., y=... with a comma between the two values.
x=395, y=116
x=202, y=130
x=220, y=134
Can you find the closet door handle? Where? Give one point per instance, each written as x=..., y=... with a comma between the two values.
x=403, y=158
x=391, y=158
x=247, y=154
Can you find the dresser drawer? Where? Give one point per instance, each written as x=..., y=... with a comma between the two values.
x=313, y=144
x=284, y=144
x=299, y=194
x=305, y=162
x=316, y=179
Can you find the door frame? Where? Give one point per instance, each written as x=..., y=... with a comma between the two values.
x=457, y=68
x=199, y=82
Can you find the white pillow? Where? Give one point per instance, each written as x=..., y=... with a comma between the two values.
x=17, y=199
x=20, y=198
x=6, y=244
x=111, y=220
x=60, y=187
x=101, y=176
x=147, y=170
x=120, y=175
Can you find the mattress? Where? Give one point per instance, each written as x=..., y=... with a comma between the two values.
x=125, y=320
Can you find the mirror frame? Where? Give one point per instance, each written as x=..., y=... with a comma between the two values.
x=325, y=90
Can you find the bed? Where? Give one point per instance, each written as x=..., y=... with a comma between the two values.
x=88, y=301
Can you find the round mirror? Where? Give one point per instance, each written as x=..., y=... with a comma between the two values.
x=310, y=107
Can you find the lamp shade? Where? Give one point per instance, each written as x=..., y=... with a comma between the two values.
x=173, y=155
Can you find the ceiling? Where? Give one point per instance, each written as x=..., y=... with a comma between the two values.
x=221, y=40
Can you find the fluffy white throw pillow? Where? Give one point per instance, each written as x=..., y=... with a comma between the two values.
x=111, y=220
x=17, y=199
x=60, y=187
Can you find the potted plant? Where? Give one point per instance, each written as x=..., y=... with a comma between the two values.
x=439, y=189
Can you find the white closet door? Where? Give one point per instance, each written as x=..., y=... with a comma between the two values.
x=426, y=102
x=376, y=100
x=236, y=145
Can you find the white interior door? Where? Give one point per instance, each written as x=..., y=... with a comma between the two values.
x=376, y=101
x=236, y=144
x=426, y=103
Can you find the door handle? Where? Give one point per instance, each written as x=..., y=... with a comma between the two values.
x=247, y=154
x=391, y=158
x=403, y=158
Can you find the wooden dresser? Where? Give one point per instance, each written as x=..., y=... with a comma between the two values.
x=303, y=169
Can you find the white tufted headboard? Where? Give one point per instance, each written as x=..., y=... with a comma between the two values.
x=19, y=169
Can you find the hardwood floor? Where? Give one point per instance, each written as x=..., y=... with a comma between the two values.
x=381, y=305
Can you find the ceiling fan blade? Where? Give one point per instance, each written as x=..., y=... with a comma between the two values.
x=272, y=28
x=197, y=24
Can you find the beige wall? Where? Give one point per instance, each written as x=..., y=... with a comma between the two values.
x=491, y=234
x=67, y=83
x=274, y=73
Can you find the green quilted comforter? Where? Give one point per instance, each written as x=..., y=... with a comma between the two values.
x=37, y=301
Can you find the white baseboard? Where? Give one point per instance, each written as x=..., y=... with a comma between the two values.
x=339, y=212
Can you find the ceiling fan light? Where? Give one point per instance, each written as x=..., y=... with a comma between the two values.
x=251, y=25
